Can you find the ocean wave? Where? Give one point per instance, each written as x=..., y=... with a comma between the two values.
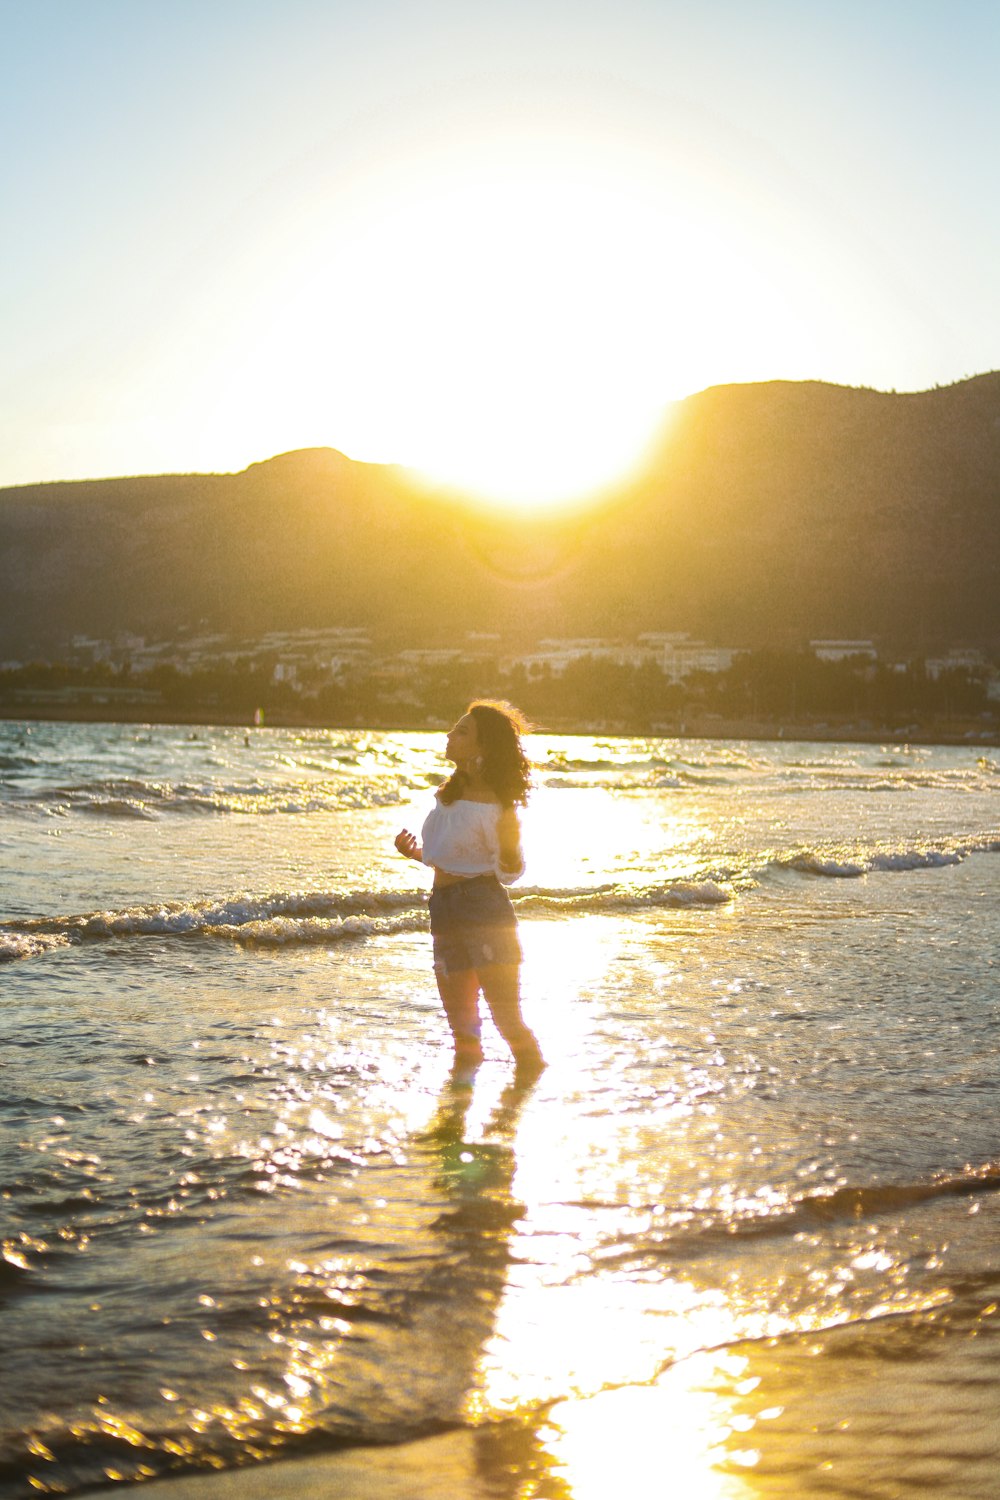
x=10, y=762
x=151, y=800
x=849, y=1203
x=845, y=865
x=626, y=779
x=280, y=932
x=818, y=864
x=649, y=771
x=121, y=807
x=16, y=945
x=241, y=913
x=286, y=918
x=559, y=762
x=621, y=898
x=696, y=1231
x=317, y=917
x=884, y=776
x=345, y=912
x=314, y=779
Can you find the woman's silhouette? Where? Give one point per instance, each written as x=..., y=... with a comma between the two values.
x=472, y=840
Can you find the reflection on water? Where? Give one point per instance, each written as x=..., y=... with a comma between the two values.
x=648, y=1269
x=685, y=1432
x=741, y=1239
x=789, y=1354
x=527, y=1331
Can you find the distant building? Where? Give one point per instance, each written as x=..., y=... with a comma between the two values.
x=694, y=656
x=843, y=650
x=678, y=656
x=957, y=661
x=431, y=657
x=555, y=654
x=89, y=646
x=657, y=640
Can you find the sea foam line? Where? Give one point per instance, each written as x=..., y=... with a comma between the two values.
x=694, y=1232
x=318, y=917
x=621, y=898
x=324, y=917
x=841, y=864
x=17, y=945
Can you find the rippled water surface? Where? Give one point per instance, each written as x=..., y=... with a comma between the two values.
x=748, y=1217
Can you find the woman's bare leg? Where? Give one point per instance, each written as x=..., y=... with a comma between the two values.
x=501, y=985
x=460, y=998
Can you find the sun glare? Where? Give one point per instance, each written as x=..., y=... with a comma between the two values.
x=497, y=322
x=534, y=383
x=506, y=322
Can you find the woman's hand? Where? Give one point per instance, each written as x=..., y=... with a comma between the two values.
x=406, y=844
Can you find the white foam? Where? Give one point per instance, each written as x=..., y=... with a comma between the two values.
x=15, y=945
x=287, y=931
x=817, y=864
x=613, y=898
x=240, y=913
x=886, y=861
x=917, y=859
x=692, y=893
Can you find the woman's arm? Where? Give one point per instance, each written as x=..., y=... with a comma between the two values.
x=406, y=843
x=509, y=833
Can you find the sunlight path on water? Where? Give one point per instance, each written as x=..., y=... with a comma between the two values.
x=739, y=1239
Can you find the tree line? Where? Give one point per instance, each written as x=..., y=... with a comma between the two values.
x=781, y=687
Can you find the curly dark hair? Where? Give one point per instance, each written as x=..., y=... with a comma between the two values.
x=506, y=769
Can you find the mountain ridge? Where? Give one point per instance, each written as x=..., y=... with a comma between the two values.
x=766, y=514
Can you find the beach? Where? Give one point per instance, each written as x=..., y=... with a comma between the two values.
x=741, y=1238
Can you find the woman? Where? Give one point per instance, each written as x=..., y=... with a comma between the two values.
x=472, y=840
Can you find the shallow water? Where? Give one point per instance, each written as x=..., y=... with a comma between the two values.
x=748, y=1215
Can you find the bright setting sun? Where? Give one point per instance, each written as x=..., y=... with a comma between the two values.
x=507, y=323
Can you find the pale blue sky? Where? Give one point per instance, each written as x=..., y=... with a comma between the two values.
x=420, y=231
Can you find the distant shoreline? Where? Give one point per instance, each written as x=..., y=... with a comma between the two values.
x=691, y=727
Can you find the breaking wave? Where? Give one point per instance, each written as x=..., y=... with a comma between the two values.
x=151, y=800
x=322, y=917
x=850, y=864
x=15, y=945
x=288, y=918
x=696, y=1231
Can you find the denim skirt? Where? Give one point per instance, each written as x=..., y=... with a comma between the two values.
x=473, y=925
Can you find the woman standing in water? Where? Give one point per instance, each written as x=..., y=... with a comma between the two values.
x=472, y=840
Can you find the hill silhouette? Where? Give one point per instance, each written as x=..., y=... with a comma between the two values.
x=768, y=514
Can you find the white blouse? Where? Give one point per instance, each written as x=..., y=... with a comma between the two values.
x=463, y=838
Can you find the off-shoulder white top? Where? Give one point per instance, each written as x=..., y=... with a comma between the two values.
x=463, y=838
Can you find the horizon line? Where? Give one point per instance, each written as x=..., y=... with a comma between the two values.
x=414, y=470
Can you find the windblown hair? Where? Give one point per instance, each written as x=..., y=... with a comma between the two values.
x=506, y=769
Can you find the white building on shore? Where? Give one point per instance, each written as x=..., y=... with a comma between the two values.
x=676, y=655
x=843, y=650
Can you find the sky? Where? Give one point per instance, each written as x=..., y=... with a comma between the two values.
x=490, y=241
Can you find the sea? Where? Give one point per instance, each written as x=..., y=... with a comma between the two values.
x=740, y=1239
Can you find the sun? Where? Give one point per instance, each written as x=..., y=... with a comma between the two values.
x=521, y=373
x=487, y=324
x=508, y=321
